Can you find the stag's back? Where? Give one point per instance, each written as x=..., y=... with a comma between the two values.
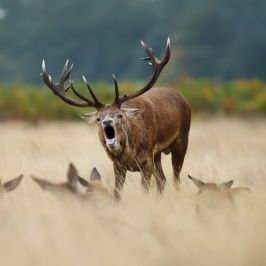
x=165, y=115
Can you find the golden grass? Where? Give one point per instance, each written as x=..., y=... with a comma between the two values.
x=38, y=229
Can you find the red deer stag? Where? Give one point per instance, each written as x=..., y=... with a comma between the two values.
x=136, y=128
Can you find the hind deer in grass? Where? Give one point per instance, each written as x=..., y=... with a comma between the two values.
x=94, y=187
x=135, y=129
x=217, y=196
x=225, y=187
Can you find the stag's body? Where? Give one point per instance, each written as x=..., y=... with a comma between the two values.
x=136, y=128
x=162, y=126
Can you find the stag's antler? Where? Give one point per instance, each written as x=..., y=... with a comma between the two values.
x=157, y=65
x=61, y=92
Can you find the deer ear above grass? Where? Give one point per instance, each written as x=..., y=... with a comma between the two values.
x=84, y=183
x=199, y=184
x=12, y=184
x=131, y=112
x=90, y=117
x=72, y=175
x=227, y=184
x=45, y=185
x=95, y=175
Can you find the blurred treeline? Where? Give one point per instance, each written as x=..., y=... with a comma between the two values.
x=34, y=103
x=219, y=39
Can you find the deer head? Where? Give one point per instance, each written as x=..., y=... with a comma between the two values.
x=10, y=185
x=112, y=119
x=94, y=187
x=217, y=195
x=72, y=185
x=202, y=186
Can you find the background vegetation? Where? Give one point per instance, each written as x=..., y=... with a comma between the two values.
x=221, y=39
x=220, y=43
x=242, y=97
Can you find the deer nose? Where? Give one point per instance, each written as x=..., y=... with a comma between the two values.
x=107, y=123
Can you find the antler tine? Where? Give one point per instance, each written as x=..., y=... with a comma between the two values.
x=167, y=52
x=47, y=79
x=157, y=65
x=97, y=102
x=150, y=55
x=116, y=101
x=65, y=75
x=80, y=95
x=61, y=92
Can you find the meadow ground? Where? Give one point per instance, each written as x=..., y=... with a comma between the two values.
x=38, y=229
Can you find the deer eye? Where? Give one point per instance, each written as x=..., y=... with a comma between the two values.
x=120, y=116
x=98, y=119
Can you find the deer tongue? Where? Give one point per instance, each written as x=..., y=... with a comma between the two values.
x=110, y=141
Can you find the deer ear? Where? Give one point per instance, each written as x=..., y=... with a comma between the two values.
x=131, y=112
x=84, y=183
x=45, y=185
x=227, y=184
x=90, y=117
x=95, y=176
x=72, y=175
x=12, y=184
x=199, y=184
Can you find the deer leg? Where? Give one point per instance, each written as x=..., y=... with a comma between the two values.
x=120, y=177
x=158, y=173
x=146, y=173
x=178, y=152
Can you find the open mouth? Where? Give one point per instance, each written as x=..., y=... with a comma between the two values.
x=109, y=135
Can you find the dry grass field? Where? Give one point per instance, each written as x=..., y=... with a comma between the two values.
x=37, y=228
